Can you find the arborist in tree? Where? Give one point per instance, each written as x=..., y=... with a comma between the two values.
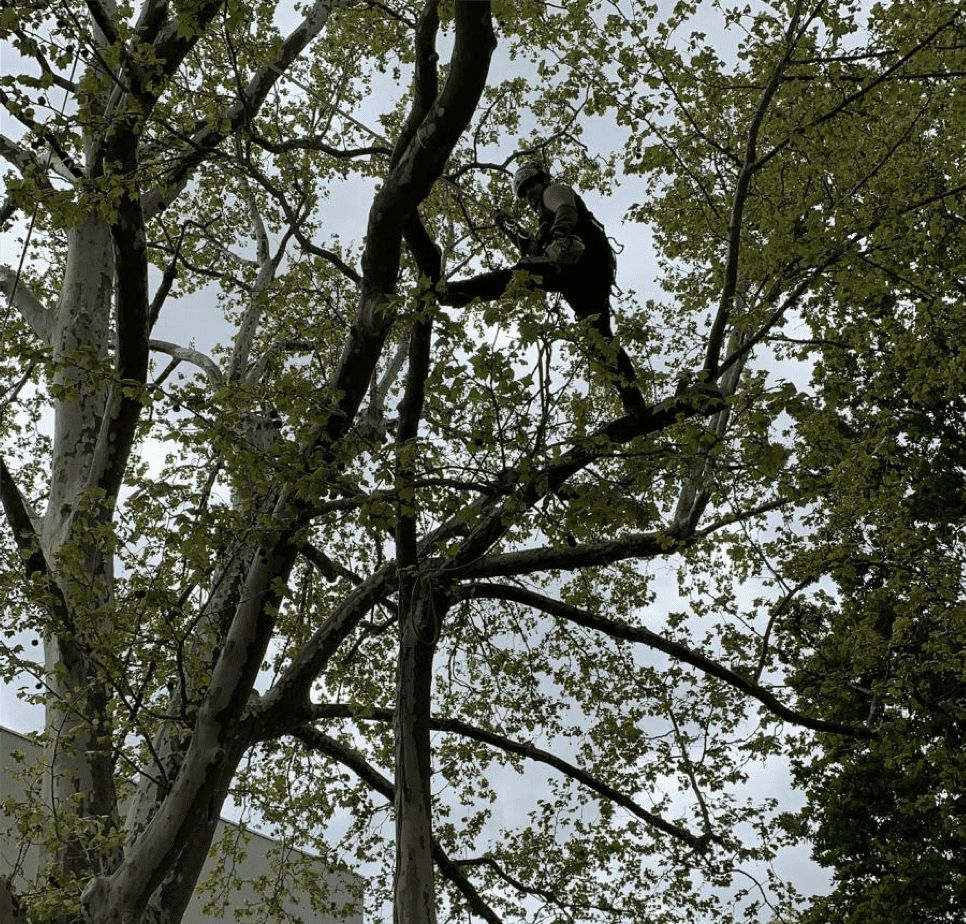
x=570, y=255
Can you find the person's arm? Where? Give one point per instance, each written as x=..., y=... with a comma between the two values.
x=562, y=245
x=562, y=202
x=526, y=244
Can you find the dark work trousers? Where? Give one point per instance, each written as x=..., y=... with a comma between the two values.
x=586, y=289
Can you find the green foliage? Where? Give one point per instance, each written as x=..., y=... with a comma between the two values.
x=798, y=172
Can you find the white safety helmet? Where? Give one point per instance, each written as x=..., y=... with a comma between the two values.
x=524, y=174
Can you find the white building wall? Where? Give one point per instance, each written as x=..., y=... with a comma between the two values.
x=260, y=868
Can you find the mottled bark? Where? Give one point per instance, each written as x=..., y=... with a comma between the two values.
x=79, y=769
x=414, y=894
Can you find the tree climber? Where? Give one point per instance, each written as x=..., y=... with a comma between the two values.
x=570, y=255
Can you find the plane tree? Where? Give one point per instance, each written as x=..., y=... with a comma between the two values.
x=406, y=580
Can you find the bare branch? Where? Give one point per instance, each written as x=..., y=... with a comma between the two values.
x=18, y=155
x=290, y=694
x=65, y=165
x=248, y=327
x=55, y=78
x=590, y=554
x=328, y=568
x=696, y=490
x=258, y=368
x=380, y=389
x=262, y=244
x=23, y=522
x=13, y=391
x=777, y=612
x=167, y=281
x=491, y=862
x=328, y=255
x=317, y=144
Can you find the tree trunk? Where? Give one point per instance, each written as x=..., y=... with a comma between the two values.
x=414, y=890
x=79, y=769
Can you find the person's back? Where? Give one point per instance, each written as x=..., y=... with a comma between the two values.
x=582, y=255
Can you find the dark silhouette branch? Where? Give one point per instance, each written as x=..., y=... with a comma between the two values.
x=317, y=144
x=750, y=166
x=530, y=752
x=315, y=740
x=625, y=631
x=608, y=552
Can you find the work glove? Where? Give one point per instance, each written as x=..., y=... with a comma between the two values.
x=503, y=219
x=566, y=250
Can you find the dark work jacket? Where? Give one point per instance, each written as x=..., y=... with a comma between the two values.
x=586, y=285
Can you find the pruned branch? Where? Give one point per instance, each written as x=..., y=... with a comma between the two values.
x=329, y=569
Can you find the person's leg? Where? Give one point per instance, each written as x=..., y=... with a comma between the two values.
x=488, y=287
x=590, y=299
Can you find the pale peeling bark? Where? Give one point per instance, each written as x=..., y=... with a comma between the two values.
x=80, y=338
x=215, y=621
x=218, y=739
x=31, y=309
x=152, y=852
x=94, y=432
x=79, y=770
x=696, y=487
x=421, y=611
